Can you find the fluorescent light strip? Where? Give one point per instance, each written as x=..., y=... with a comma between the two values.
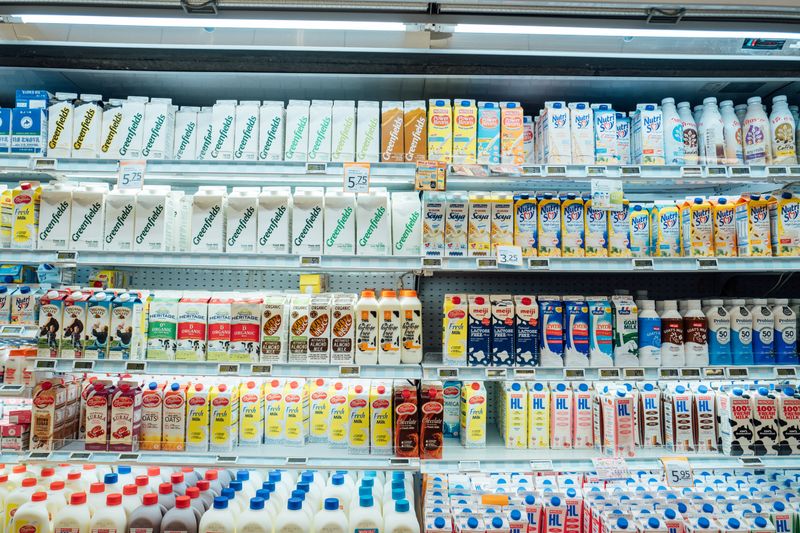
x=197, y=22
x=619, y=32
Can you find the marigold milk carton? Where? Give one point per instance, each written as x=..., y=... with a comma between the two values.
x=582, y=133
x=525, y=224
x=339, y=414
x=512, y=149
x=784, y=215
x=549, y=225
x=380, y=427
x=251, y=412
x=451, y=392
x=526, y=329
x=454, y=330
x=296, y=414
x=173, y=432
x=556, y=134
x=198, y=423
x=440, y=131
x=601, y=332
x=698, y=228
x=723, y=212
x=358, y=426
x=152, y=416
x=271, y=124
x=753, y=234
x=502, y=328
x=488, y=145
x=595, y=231
x=223, y=403
x=605, y=134
x=619, y=232
x=572, y=225
x=472, y=431
x=667, y=234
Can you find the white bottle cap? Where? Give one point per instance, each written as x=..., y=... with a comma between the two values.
x=781, y=301
x=647, y=305
x=737, y=301
x=710, y=100
x=780, y=99
x=759, y=301
x=754, y=100
x=693, y=304
x=726, y=103
x=715, y=302
x=670, y=305
x=666, y=101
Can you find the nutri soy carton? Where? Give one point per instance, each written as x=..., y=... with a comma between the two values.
x=556, y=134
x=753, y=226
x=549, y=225
x=479, y=330
x=551, y=339
x=572, y=225
x=605, y=134
x=526, y=327
x=502, y=337
x=784, y=216
x=525, y=224
x=596, y=230
x=582, y=133
x=624, y=139
x=647, y=141
x=666, y=230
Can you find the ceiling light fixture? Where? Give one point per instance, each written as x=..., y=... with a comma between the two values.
x=620, y=32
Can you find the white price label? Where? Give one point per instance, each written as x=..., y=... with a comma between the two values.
x=131, y=174
x=678, y=472
x=610, y=468
x=509, y=255
x=356, y=177
x=607, y=195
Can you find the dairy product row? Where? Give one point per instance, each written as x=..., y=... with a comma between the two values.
x=272, y=220
x=719, y=502
x=666, y=134
x=599, y=331
x=568, y=225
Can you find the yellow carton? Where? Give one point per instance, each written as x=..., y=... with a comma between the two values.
x=25, y=216
x=785, y=224
x=6, y=216
x=698, y=228
x=319, y=410
x=295, y=401
x=197, y=418
x=473, y=415
x=454, y=330
x=380, y=403
x=724, y=217
x=525, y=223
x=512, y=149
x=274, y=411
x=502, y=220
x=753, y=237
x=514, y=410
x=359, y=419
x=339, y=414
x=572, y=225
x=596, y=231
x=549, y=225
x=224, y=402
x=479, y=224
x=440, y=131
x=251, y=413
x=538, y=415
x=465, y=132
x=619, y=232
x=666, y=227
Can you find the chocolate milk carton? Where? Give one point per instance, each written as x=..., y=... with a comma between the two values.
x=61, y=115
x=415, y=128
x=502, y=327
x=526, y=328
x=159, y=129
x=320, y=130
x=392, y=135
x=184, y=145
x=86, y=126
x=343, y=131
x=650, y=419
x=223, y=130
x=735, y=415
x=705, y=418
x=479, y=336
x=245, y=139
x=582, y=133
x=368, y=131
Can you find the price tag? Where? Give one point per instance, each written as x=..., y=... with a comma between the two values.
x=45, y=364
x=743, y=372
x=607, y=195
x=310, y=261
x=316, y=168
x=714, y=372
x=431, y=262
x=678, y=472
x=633, y=373
x=531, y=170
x=10, y=390
x=691, y=172
x=608, y=373
x=785, y=372
x=777, y=171
x=524, y=373
x=131, y=174
x=541, y=465
x=794, y=171
x=707, y=264
x=399, y=461
x=66, y=256
x=430, y=176
x=356, y=177
x=135, y=367
x=349, y=371
x=539, y=263
x=595, y=171
x=448, y=373
x=496, y=373
x=261, y=370
x=555, y=171
x=227, y=459
x=43, y=164
x=574, y=373
x=486, y=263
x=469, y=466
x=509, y=255
x=80, y=456
x=751, y=461
x=630, y=172
x=690, y=373
x=740, y=172
x=643, y=263
x=296, y=460
x=716, y=172
x=610, y=468
x=668, y=373
x=82, y=365
x=130, y=457
x=227, y=369
x=38, y=456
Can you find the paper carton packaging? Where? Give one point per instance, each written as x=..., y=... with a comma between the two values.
x=527, y=140
x=488, y=140
x=97, y=335
x=617, y=411
x=502, y=220
x=789, y=414
x=373, y=223
x=512, y=150
x=561, y=417
x=513, y=414
x=119, y=217
x=626, y=331
x=479, y=225
x=525, y=222
x=465, y=132
x=245, y=139
x=735, y=414
x=667, y=234
x=159, y=129
x=526, y=328
x=639, y=218
x=152, y=417
x=128, y=143
x=502, y=323
x=223, y=130
x=679, y=419
x=192, y=323
x=454, y=329
x=307, y=220
x=433, y=223
x=338, y=414
x=29, y=132
x=551, y=340
x=556, y=141
x=298, y=328
x=415, y=128
x=705, y=420
x=698, y=228
x=472, y=430
x=343, y=131
x=319, y=329
x=451, y=393
x=274, y=220
x=60, y=125
x=392, y=134
x=162, y=326
x=455, y=226
x=784, y=209
x=381, y=410
x=320, y=131
x=549, y=225
x=582, y=133
x=274, y=398
x=765, y=423
x=271, y=125
x=605, y=134
x=242, y=220
x=406, y=223
x=218, y=327
x=582, y=417
x=96, y=416
x=153, y=206
x=86, y=126
x=85, y=228
x=296, y=414
x=274, y=329
x=55, y=209
x=343, y=330
x=573, y=217
x=184, y=145
x=340, y=222
x=619, y=232
x=128, y=335
x=753, y=226
x=51, y=314
x=5, y=131
x=596, y=230
x=208, y=220
x=198, y=423
x=368, y=131
x=647, y=128
x=440, y=131
x=245, y=343
x=650, y=419
x=624, y=139
x=173, y=430
x=479, y=332
x=205, y=133
x=576, y=332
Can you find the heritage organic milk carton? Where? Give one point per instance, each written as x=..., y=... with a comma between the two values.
x=415, y=128
x=158, y=129
x=556, y=138
x=488, y=140
x=307, y=220
x=465, y=131
x=192, y=324
x=455, y=227
x=549, y=225
x=596, y=230
x=85, y=230
x=55, y=210
x=245, y=138
x=454, y=330
x=698, y=228
x=502, y=328
x=184, y=145
x=246, y=328
x=440, y=131
x=512, y=150
x=368, y=131
x=373, y=223
x=502, y=220
x=271, y=124
x=207, y=232
x=619, y=232
x=753, y=226
x=667, y=234
x=274, y=219
x=320, y=130
x=343, y=130
x=297, y=130
x=407, y=224
x=86, y=127
x=479, y=331
x=572, y=225
x=61, y=115
x=647, y=140
x=784, y=215
x=392, y=136
x=525, y=224
x=218, y=328
x=162, y=326
x=433, y=223
x=605, y=134
x=582, y=133
x=723, y=212
x=223, y=129
x=479, y=225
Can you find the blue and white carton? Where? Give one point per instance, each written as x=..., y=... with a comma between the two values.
x=556, y=138
x=526, y=327
x=605, y=134
x=5, y=130
x=502, y=339
x=576, y=332
x=479, y=330
x=582, y=133
x=28, y=131
x=601, y=332
x=551, y=318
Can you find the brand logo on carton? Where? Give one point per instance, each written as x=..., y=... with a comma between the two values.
x=63, y=115
x=759, y=214
x=296, y=137
x=669, y=220
x=272, y=134
x=340, y=223
x=623, y=130
x=185, y=138
x=701, y=216
x=197, y=400
x=135, y=121
x=223, y=134
x=394, y=136
x=312, y=217
x=121, y=313
x=789, y=211
x=724, y=217
x=22, y=199
x=652, y=124
x=416, y=137
x=358, y=403
x=573, y=212
x=373, y=225
x=526, y=212
x=87, y=220
x=151, y=400
x=489, y=120
x=155, y=131
x=476, y=400
x=173, y=401
x=86, y=123
x=582, y=121
x=336, y=400
x=96, y=401
x=406, y=409
x=206, y=143
x=247, y=134
x=54, y=220
x=558, y=120
x=122, y=402
x=151, y=223
x=409, y=228
x=273, y=225
x=44, y=401
x=432, y=408
x=246, y=216
x=440, y=120
x=380, y=404
x=113, y=128
x=605, y=122
x=639, y=222
x=549, y=212
x=220, y=401
x=118, y=223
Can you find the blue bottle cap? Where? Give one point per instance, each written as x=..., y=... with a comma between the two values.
x=220, y=502
x=733, y=523
x=331, y=504
x=555, y=501
x=497, y=522
x=256, y=504
x=703, y=522
x=366, y=501
x=439, y=522
x=653, y=522
x=123, y=470
x=338, y=479
x=622, y=522
x=472, y=522
x=110, y=479
x=228, y=493
x=236, y=485
x=515, y=514
x=263, y=494
x=294, y=504
x=242, y=475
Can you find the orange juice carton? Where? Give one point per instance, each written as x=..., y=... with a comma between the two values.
x=296, y=414
x=274, y=397
x=678, y=418
x=549, y=225
x=556, y=139
x=581, y=126
x=440, y=131
x=605, y=134
x=617, y=412
x=502, y=220
x=223, y=403
x=218, y=327
x=126, y=418
x=561, y=417
x=488, y=133
x=97, y=412
x=380, y=427
x=454, y=330
x=698, y=228
x=619, y=232
x=573, y=225
x=723, y=213
x=251, y=413
x=318, y=409
x=512, y=150
x=358, y=436
x=338, y=414
x=753, y=234
x=525, y=234
x=152, y=416
x=51, y=314
x=583, y=416
x=479, y=333
x=198, y=421
x=415, y=128
x=596, y=230
x=433, y=223
x=784, y=216
x=639, y=218
x=392, y=135
x=667, y=235
x=74, y=323
x=274, y=328
x=479, y=224
x=192, y=323
x=173, y=432
x=456, y=242
x=245, y=342
x=465, y=132
x=502, y=330
x=319, y=329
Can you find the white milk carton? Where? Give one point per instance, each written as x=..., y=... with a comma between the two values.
x=297, y=126
x=245, y=139
x=192, y=334
x=373, y=223
x=308, y=204
x=159, y=129
x=61, y=115
x=340, y=222
x=241, y=226
x=131, y=136
x=162, y=325
x=647, y=140
x=86, y=126
x=274, y=220
x=605, y=134
x=271, y=123
x=218, y=334
x=111, y=133
x=527, y=140
x=86, y=220
x=407, y=224
x=582, y=133
x=153, y=218
x=433, y=210
x=120, y=216
x=735, y=415
x=208, y=220
x=343, y=131
x=367, y=131
x=320, y=131
x=55, y=210
x=223, y=130
x=246, y=328
x=184, y=145
x=556, y=136
x=455, y=226
x=205, y=133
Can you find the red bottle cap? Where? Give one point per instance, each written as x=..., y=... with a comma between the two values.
x=96, y=488
x=57, y=485
x=193, y=492
x=176, y=478
x=141, y=481
x=165, y=488
x=182, y=502
x=39, y=497
x=77, y=498
x=28, y=482
x=114, y=499
x=129, y=490
x=150, y=499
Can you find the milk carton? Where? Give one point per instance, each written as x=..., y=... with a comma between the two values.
x=205, y=133
x=572, y=225
x=619, y=232
x=601, y=332
x=274, y=329
x=415, y=127
x=152, y=416
x=626, y=331
x=298, y=328
x=5, y=131
x=440, y=131
x=340, y=222
x=479, y=313
x=705, y=420
x=582, y=417
x=271, y=124
x=538, y=415
x=525, y=224
x=472, y=430
x=667, y=234
x=605, y=134
x=319, y=130
x=407, y=224
x=55, y=210
x=159, y=129
x=789, y=414
x=127, y=144
x=162, y=326
x=307, y=220
x=373, y=223
x=224, y=416
x=343, y=329
x=639, y=218
x=192, y=324
x=392, y=136
x=678, y=419
x=723, y=213
x=61, y=115
x=502, y=220
x=85, y=228
x=274, y=220
x=245, y=139
x=97, y=336
x=223, y=130
x=151, y=228
x=488, y=140
x=198, y=423
x=551, y=318
x=698, y=228
x=359, y=420
x=119, y=220
x=561, y=417
x=251, y=412
x=526, y=328
x=785, y=224
x=296, y=414
x=617, y=411
x=582, y=133
x=86, y=126
x=514, y=410
x=455, y=227
x=274, y=409
x=735, y=415
x=343, y=131
x=368, y=131
x=128, y=334
x=479, y=225
x=502, y=327
x=753, y=226
x=451, y=393
x=454, y=330
x=319, y=329
x=184, y=145
x=527, y=139
x=624, y=139
x=765, y=422
x=51, y=313
x=173, y=429
x=549, y=225
x=218, y=328
x=241, y=222
x=555, y=516
x=512, y=150
x=647, y=127
x=207, y=232
x=576, y=332
x=245, y=343
x=556, y=136
x=433, y=223
x=465, y=131
x=596, y=230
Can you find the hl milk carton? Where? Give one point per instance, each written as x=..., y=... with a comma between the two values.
x=307, y=220
x=605, y=134
x=131, y=136
x=582, y=417
x=465, y=132
x=184, y=145
x=297, y=127
x=455, y=226
x=502, y=337
x=561, y=417
x=576, y=332
x=55, y=209
x=551, y=340
x=368, y=140
x=454, y=330
x=639, y=218
x=271, y=124
x=320, y=130
x=392, y=137
x=479, y=224
x=723, y=213
x=698, y=228
x=440, y=131
x=526, y=328
x=120, y=210
x=525, y=224
x=784, y=216
x=667, y=235
x=679, y=419
x=705, y=421
x=274, y=219
x=433, y=223
x=223, y=129
x=479, y=331
x=373, y=223
x=582, y=133
x=514, y=423
x=556, y=135
x=549, y=225
x=245, y=139
x=618, y=423
x=601, y=332
x=158, y=129
x=86, y=126
x=241, y=214
x=343, y=131
x=502, y=220
x=596, y=230
x=512, y=150
x=619, y=232
x=647, y=127
x=650, y=421
x=572, y=225
x=415, y=128
x=488, y=145
x=753, y=234
x=61, y=115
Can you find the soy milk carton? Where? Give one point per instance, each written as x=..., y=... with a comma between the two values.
x=488, y=144
x=572, y=226
x=619, y=232
x=723, y=213
x=698, y=228
x=512, y=150
x=753, y=226
x=440, y=131
x=784, y=215
x=479, y=332
x=55, y=210
x=502, y=220
x=549, y=225
x=526, y=329
x=274, y=220
x=307, y=220
x=455, y=226
x=320, y=130
x=502, y=328
x=525, y=224
x=639, y=218
x=624, y=139
x=480, y=224
x=433, y=223
x=667, y=234
x=367, y=131
x=647, y=142
x=297, y=130
x=61, y=115
x=605, y=134
x=223, y=129
x=582, y=133
x=596, y=230
x=556, y=134
x=158, y=129
x=343, y=130
x=184, y=145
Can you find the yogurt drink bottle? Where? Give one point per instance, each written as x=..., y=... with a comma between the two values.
x=763, y=333
x=649, y=334
x=755, y=133
x=732, y=132
x=690, y=135
x=674, y=150
x=672, y=342
x=741, y=333
x=719, y=333
x=782, y=131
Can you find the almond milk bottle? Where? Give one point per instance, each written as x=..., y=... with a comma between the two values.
x=755, y=132
x=712, y=134
x=690, y=135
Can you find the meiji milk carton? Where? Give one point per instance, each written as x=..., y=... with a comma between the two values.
x=192, y=326
x=624, y=139
x=472, y=430
x=576, y=332
x=274, y=329
x=488, y=143
x=74, y=323
x=392, y=137
x=343, y=131
x=29, y=132
x=207, y=233
x=407, y=224
x=55, y=210
x=572, y=225
x=527, y=139
x=223, y=130
x=601, y=332
x=454, y=330
x=319, y=329
x=343, y=329
x=789, y=414
x=98, y=325
x=512, y=150
x=131, y=136
x=198, y=423
x=184, y=145
x=735, y=415
x=271, y=125
x=619, y=232
x=433, y=223
x=525, y=224
x=415, y=128
x=698, y=228
x=307, y=220
x=723, y=213
x=502, y=326
x=479, y=225
x=667, y=234
x=223, y=403
x=319, y=130
x=455, y=227
x=440, y=131
x=152, y=416
x=61, y=115
x=561, y=417
x=368, y=131
x=679, y=419
x=647, y=127
x=556, y=137
x=784, y=216
x=595, y=231
x=605, y=134
x=582, y=417
x=765, y=422
x=173, y=429
x=582, y=133
x=705, y=420
x=513, y=415
x=51, y=314
x=241, y=223
x=641, y=242
x=618, y=422
x=373, y=223
x=479, y=335
x=626, y=331
x=451, y=392
x=85, y=231
x=650, y=419
x=162, y=326
x=218, y=328
x=246, y=328
x=245, y=139
x=86, y=126
x=465, y=131
x=753, y=226
x=120, y=216
x=274, y=219
x=205, y=133
x=298, y=328
x=549, y=225
x=502, y=220
x=153, y=206
x=159, y=129
x=526, y=329
x=551, y=318
x=538, y=415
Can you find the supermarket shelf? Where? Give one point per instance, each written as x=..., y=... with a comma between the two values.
x=232, y=369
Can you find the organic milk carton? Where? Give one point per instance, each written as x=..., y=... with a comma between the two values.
x=626, y=331
x=549, y=225
x=358, y=436
x=639, y=218
x=373, y=223
x=698, y=228
x=245, y=139
x=514, y=410
x=55, y=209
x=619, y=232
x=784, y=211
x=223, y=401
x=296, y=414
x=127, y=143
x=512, y=150
x=765, y=422
x=455, y=226
x=320, y=130
x=465, y=131
x=86, y=126
x=624, y=139
x=415, y=131
x=98, y=325
x=252, y=412
x=407, y=224
x=319, y=329
x=472, y=430
x=617, y=411
x=271, y=124
x=525, y=224
x=51, y=314
x=223, y=130
x=392, y=136
x=735, y=415
x=85, y=230
x=572, y=225
x=454, y=330
x=526, y=328
x=556, y=136
x=479, y=225
x=479, y=312
x=343, y=331
x=605, y=134
x=245, y=343
x=205, y=133
x=368, y=131
x=433, y=223
x=162, y=326
x=576, y=332
x=488, y=140
x=298, y=328
x=192, y=327
x=582, y=133
x=307, y=220
x=582, y=417
x=667, y=235
x=207, y=232
x=502, y=220
x=184, y=145
x=274, y=328
x=61, y=115
x=527, y=139
x=551, y=318
x=218, y=328
x=296, y=146
x=647, y=127
x=561, y=417
x=723, y=213
x=502, y=327
x=440, y=131
x=274, y=220
x=343, y=131
x=679, y=419
x=120, y=212
x=159, y=129
x=241, y=214
x=153, y=208
x=198, y=423
x=595, y=231
x=753, y=226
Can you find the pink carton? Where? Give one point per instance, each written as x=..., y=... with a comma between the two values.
x=679, y=419
x=555, y=516
x=533, y=508
x=582, y=416
x=126, y=418
x=561, y=417
x=705, y=418
x=574, y=503
x=98, y=399
x=618, y=423
x=650, y=419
